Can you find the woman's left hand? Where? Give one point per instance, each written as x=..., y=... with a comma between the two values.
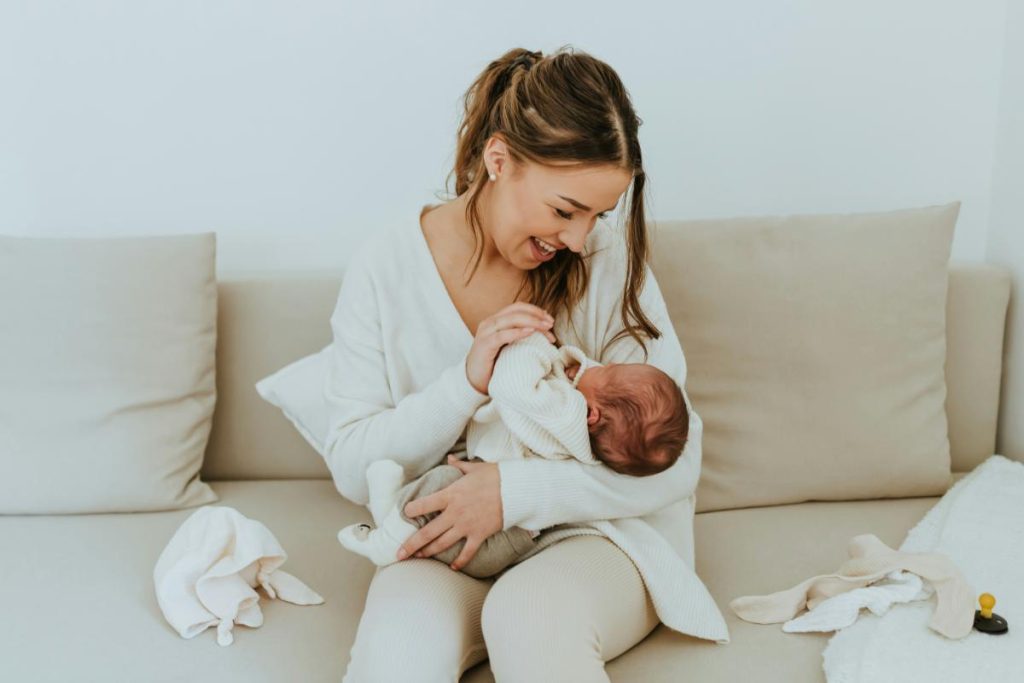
x=469, y=507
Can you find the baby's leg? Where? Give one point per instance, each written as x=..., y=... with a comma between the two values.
x=384, y=478
x=381, y=544
x=497, y=552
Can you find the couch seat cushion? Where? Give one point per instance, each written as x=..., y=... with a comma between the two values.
x=79, y=603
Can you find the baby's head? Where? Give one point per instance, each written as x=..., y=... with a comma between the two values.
x=636, y=416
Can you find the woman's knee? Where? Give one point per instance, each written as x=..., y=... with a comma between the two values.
x=566, y=611
x=421, y=622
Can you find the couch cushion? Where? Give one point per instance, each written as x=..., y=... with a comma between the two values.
x=82, y=587
x=755, y=551
x=816, y=346
x=288, y=312
x=107, y=372
x=979, y=297
x=288, y=316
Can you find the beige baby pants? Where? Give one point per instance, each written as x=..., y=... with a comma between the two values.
x=497, y=552
x=556, y=617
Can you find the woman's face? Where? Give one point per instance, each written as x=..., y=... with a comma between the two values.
x=556, y=204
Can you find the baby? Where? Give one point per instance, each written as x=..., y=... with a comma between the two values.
x=545, y=401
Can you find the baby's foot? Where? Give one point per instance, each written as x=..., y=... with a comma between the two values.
x=381, y=544
x=354, y=537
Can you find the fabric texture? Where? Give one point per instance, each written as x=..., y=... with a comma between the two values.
x=871, y=560
x=207, y=574
x=841, y=610
x=381, y=544
x=534, y=410
x=389, y=400
x=820, y=344
x=107, y=350
x=497, y=552
x=978, y=524
x=295, y=389
x=548, y=618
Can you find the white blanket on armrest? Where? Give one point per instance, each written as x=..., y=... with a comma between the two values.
x=207, y=574
x=978, y=524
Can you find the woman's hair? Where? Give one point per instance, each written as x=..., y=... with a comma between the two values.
x=567, y=108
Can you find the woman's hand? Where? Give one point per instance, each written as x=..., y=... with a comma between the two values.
x=513, y=322
x=470, y=508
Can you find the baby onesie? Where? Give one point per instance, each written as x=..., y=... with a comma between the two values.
x=535, y=410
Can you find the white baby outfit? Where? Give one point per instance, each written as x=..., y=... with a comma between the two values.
x=535, y=410
x=207, y=574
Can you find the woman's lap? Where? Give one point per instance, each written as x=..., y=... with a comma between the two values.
x=557, y=616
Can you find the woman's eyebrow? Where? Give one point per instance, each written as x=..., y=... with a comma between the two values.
x=583, y=207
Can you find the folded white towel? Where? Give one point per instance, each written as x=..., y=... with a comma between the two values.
x=207, y=573
x=841, y=610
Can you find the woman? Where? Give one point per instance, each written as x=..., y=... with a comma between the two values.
x=547, y=146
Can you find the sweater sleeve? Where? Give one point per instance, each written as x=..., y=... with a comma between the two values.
x=538, y=493
x=364, y=423
x=521, y=379
x=546, y=413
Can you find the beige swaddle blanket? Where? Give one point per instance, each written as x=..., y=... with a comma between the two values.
x=871, y=560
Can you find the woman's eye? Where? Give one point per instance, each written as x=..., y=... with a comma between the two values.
x=568, y=216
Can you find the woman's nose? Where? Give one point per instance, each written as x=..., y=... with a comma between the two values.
x=575, y=237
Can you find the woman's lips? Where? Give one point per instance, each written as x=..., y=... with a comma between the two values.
x=538, y=254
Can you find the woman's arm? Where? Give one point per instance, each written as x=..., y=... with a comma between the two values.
x=537, y=493
x=364, y=424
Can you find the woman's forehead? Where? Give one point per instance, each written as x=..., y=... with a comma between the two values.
x=597, y=187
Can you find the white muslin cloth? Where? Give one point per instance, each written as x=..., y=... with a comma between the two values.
x=841, y=610
x=978, y=524
x=207, y=574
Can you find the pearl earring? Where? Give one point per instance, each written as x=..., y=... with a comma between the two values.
x=493, y=177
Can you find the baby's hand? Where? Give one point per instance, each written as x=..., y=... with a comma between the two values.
x=571, y=370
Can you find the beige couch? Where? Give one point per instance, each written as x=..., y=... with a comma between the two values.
x=77, y=590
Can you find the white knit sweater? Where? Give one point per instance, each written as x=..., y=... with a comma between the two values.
x=397, y=388
x=535, y=410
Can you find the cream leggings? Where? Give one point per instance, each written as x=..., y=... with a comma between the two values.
x=557, y=616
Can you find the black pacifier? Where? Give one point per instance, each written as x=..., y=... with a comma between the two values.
x=985, y=620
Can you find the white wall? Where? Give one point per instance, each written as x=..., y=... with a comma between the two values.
x=294, y=129
x=1006, y=239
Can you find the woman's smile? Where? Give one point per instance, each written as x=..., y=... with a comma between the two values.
x=541, y=253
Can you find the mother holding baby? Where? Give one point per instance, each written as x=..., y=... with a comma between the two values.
x=547, y=146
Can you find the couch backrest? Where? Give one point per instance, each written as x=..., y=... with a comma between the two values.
x=269, y=319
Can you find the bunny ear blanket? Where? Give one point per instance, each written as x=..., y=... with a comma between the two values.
x=207, y=574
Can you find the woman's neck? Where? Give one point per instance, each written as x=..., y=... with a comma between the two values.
x=490, y=258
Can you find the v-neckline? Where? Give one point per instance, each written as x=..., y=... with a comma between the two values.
x=431, y=265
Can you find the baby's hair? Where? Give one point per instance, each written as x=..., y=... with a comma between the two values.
x=564, y=109
x=644, y=426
